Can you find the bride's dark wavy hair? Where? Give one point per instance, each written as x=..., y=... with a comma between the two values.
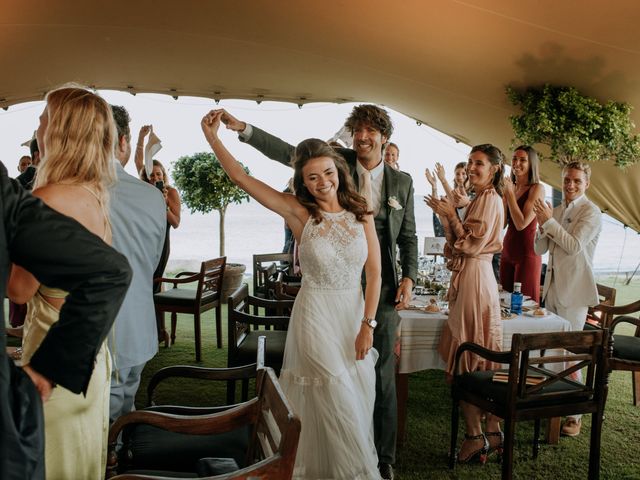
x=348, y=197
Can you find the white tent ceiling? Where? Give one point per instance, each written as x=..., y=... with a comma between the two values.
x=443, y=62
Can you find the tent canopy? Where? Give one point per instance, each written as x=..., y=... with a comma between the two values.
x=444, y=62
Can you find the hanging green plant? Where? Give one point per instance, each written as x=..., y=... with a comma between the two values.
x=575, y=127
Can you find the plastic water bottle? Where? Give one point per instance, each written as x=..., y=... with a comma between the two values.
x=516, y=299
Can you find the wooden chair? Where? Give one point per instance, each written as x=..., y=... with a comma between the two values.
x=626, y=348
x=265, y=269
x=557, y=395
x=273, y=433
x=244, y=327
x=151, y=448
x=205, y=297
x=596, y=317
x=286, y=287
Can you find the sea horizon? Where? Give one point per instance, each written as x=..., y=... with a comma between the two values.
x=251, y=228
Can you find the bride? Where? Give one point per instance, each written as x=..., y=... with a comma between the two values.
x=328, y=369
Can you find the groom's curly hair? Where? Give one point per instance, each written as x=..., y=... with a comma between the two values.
x=348, y=197
x=370, y=115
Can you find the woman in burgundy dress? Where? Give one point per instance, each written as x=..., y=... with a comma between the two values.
x=519, y=262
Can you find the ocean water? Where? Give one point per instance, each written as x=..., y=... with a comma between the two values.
x=250, y=228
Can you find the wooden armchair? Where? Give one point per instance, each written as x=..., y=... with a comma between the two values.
x=626, y=348
x=154, y=449
x=555, y=395
x=595, y=316
x=245, y=325
x=205, y=297
x=265, y=269
x=286, y=286
x=273, y=434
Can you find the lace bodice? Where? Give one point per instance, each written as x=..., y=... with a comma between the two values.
x=333, y=252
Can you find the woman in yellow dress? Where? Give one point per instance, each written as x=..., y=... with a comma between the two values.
x=76, y=138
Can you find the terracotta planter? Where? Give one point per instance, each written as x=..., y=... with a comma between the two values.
x=233, y=275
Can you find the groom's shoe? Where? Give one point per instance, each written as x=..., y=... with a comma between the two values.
x=386, y=471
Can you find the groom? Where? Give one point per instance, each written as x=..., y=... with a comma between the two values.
x=389, y=193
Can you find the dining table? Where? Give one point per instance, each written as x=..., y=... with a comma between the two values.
x=417, y=349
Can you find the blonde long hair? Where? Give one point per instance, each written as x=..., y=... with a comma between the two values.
x=79, y=142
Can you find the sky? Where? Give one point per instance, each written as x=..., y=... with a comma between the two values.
x=177, y=124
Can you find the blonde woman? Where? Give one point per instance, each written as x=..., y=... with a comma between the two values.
x=76, y=137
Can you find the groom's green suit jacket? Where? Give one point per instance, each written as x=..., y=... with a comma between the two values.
x=399, y=229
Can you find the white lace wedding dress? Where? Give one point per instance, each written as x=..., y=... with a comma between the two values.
x=329, y=389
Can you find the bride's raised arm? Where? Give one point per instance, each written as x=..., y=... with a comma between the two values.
x=284, y=204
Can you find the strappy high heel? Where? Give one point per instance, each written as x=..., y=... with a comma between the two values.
x=479, y=455
x=498, y=449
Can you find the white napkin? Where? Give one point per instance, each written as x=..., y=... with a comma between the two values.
x=28, y=142
x=344, y=135
x=153, y=146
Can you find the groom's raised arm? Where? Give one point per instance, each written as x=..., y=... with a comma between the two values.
x=269, y=145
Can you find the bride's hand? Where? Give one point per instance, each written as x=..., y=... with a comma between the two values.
x=364, y=341
x=210, y=124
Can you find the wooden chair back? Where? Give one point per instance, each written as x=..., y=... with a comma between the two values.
x=245, y=323
x=286, y=287
x=210, y=282
x=274, y=444
x=607, y=297
x=579, y=351
x=624, y=346
x=265, y=268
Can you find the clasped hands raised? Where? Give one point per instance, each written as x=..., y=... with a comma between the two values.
x=543, y=211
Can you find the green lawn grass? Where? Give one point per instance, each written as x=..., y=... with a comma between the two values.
x=424, y=456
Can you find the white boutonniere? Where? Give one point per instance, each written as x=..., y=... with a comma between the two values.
x=393, y=203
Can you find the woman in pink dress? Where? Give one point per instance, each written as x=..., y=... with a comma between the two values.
x=519, y=262
x=474, y=305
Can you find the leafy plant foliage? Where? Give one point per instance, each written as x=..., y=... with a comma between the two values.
x=204, y=186
x=575, y=127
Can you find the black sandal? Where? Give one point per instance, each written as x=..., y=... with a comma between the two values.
x=479, y=455
x=498, y=448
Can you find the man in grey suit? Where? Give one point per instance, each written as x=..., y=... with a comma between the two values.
x=138, y=221
x=389, y=193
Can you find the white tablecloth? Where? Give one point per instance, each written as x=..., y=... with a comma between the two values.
x=420, y=333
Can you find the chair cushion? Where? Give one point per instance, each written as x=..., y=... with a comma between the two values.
x=208, y=467
x=175, y=296
x=275, y=340
x=149, y=447
x=626, y=347
x=482, y=384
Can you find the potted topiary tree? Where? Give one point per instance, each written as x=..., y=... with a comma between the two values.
x=574, y=126
x=204, y=186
